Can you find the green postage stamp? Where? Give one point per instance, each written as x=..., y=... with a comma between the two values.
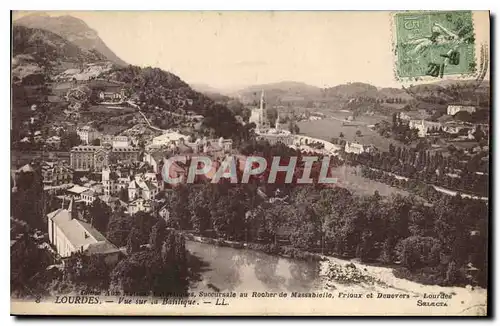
x=434, y=44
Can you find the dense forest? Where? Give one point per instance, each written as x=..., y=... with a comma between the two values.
x=460, y=171
x=431, y=244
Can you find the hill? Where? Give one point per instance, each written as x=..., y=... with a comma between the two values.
x=162, y=93
x=206, y=89
x=281, y=92
x=73, y=30
x=352, y=90
x=390, y=92
x=297, y=93
x=466, y=92
x=46, y=49
x=301, y=94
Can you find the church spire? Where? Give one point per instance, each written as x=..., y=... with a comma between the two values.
x=262, y=101
x=263, y=122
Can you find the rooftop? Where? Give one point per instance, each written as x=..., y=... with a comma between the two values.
x=78, y=189
x=79, y=234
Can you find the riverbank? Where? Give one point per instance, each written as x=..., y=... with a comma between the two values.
x=381, y=280
x=229, y=269
x=345, y=275
x=271, y=249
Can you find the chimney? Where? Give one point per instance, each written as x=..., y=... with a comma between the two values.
x=71, y=209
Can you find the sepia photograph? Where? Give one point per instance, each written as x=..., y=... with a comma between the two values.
x=260, y=163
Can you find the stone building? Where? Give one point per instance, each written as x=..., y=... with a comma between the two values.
x=70, y=235
x=94, y=158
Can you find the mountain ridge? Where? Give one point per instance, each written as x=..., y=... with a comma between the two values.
x=72, y=29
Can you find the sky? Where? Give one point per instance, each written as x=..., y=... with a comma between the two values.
x=230, y=50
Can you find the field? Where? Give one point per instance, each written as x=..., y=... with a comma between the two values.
x=332, y=127
x=351, y=179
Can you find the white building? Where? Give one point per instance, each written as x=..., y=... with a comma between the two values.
x=454, y=109
x=155, y=158
x=88, y=197
x=77, y=191
x=113, y=96
x=168, y=138
x=424, y=126
x=140, y=205
x=107, y=183
x=87, y=134
x=142, y=188
x=116, y=141
x=357, y=148
x=69, y=235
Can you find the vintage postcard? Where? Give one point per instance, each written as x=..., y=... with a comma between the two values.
x=250, y=163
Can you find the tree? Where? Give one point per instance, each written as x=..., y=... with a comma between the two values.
x=358, y=133
x=199, y=202
x=143, y=222
x=88, y=272
x=305, y=227
x=463, y=116
x=228, y=209
x=69, y=140
x=99, y=213
x=341, y=135
x=118, y=229
x=415, y=252
x=180, y=215
x=27, y=203
x=123, y=195
x=158, y=234
x=157, y=271
x=394, y=121
x=134, y=241
x=478, y=134
x=26, y=260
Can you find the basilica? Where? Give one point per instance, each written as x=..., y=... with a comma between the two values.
x=263, y=128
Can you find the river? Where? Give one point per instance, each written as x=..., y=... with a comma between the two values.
x=243, y=270
x=231, y=269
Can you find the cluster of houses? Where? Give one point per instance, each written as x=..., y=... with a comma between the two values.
x=445, y=123
x=37, y=138
x=141, y=189
x=131, y=185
